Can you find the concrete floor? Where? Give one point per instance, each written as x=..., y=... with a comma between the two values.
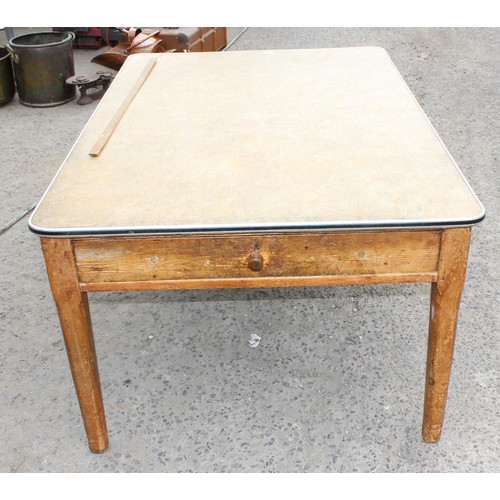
x=336, y=383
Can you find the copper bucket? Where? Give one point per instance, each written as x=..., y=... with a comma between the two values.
x=42, y=63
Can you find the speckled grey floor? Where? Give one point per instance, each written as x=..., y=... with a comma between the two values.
x=336, y=383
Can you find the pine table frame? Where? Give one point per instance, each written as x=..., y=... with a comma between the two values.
x=96, y=264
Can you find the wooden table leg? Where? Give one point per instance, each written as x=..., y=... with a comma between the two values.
x=74, y=315
x=445, y=302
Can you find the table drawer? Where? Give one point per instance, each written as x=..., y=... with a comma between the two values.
x=206, y=257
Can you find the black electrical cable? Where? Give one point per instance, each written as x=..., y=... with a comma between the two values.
x=17, y=219
x=234, y=40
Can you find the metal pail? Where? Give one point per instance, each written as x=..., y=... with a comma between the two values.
x=7, y=86
x=42, y=63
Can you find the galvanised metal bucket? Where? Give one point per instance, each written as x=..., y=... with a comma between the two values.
x=42, y=63
x=7, y=86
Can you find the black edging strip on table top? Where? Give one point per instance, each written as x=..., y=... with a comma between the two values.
x=138, y=232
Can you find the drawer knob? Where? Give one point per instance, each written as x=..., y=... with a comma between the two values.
x=255, y=262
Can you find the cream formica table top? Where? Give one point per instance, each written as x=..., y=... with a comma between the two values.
x=271, y=139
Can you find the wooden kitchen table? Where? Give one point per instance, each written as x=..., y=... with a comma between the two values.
x=248, y=169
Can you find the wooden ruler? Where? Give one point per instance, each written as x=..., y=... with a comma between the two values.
x=108, y=131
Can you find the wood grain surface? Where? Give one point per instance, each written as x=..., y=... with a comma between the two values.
x=445, y=302
x=288, y=259
x=74, y=316
x=76, y=266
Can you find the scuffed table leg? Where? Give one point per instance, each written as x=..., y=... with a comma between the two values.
x=74, y=315
x=445, y=302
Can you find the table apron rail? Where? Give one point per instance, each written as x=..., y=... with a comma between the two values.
x=256, y=260
x=122, y=286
